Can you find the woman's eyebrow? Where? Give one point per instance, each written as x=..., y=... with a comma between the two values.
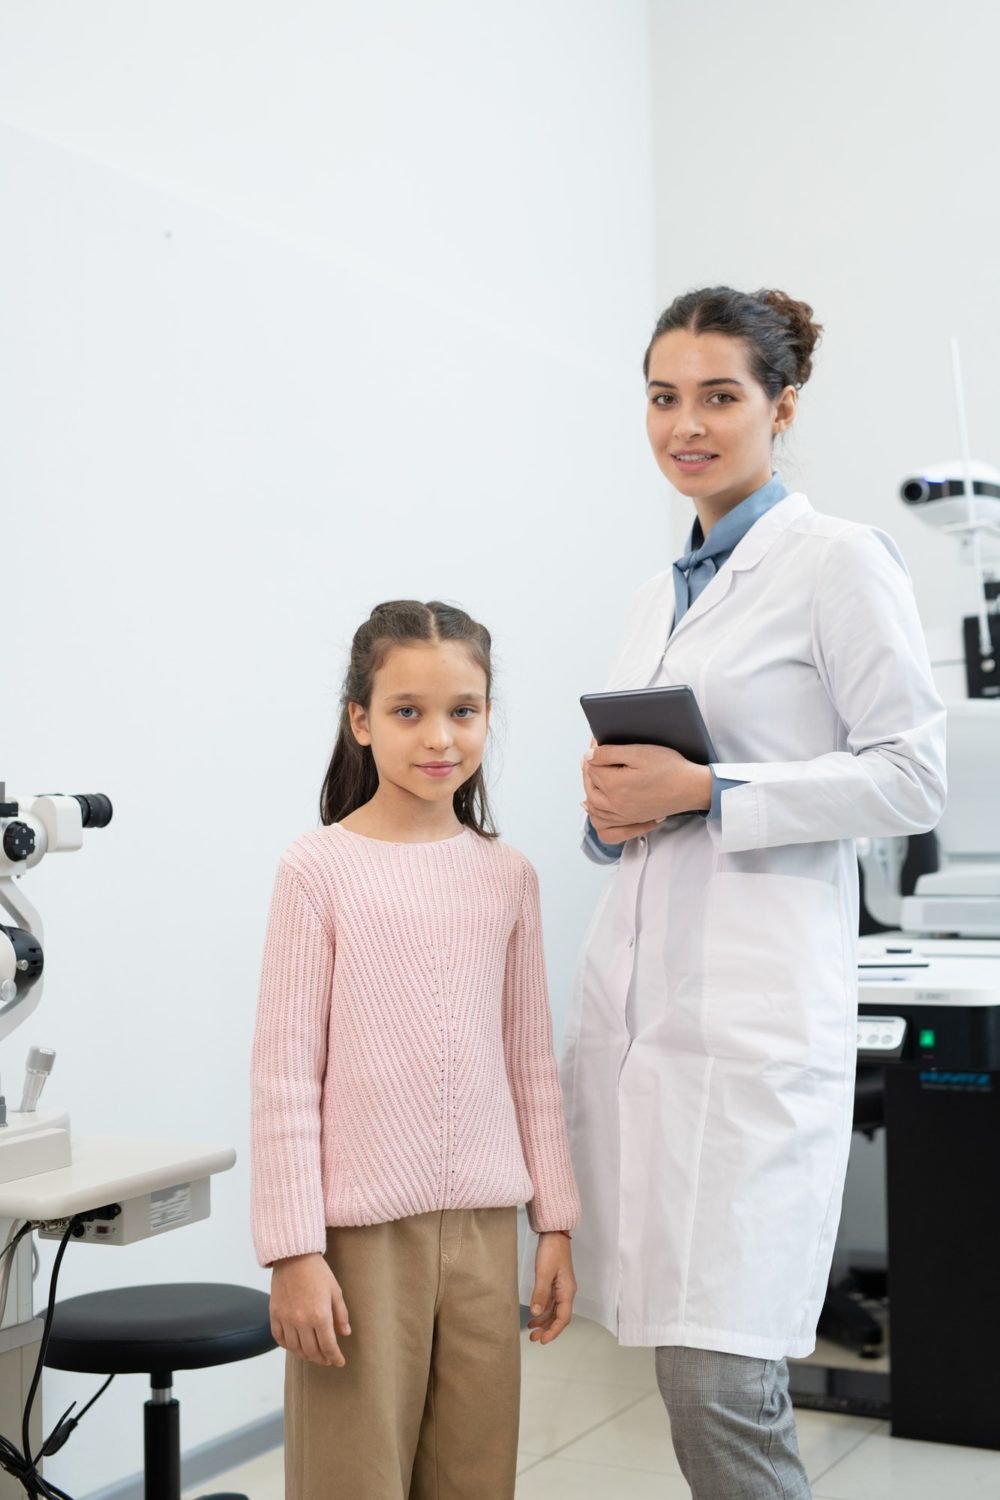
x=668, y=385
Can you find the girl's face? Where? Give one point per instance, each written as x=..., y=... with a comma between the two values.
x=710, y=423
x=427, y=720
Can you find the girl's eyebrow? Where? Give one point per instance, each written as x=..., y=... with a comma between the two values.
x=418, y=697
x=668, y=385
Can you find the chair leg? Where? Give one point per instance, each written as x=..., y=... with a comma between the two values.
x=162, y=1430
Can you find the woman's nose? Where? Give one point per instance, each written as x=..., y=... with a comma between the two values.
x=689, y=423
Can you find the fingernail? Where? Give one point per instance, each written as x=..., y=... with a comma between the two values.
x=588, y=754
x=536, y=1307
x=347, y=1327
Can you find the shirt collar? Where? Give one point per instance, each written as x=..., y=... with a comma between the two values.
x=731, y=528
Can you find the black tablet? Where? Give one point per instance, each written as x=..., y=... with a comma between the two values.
x=667, y=716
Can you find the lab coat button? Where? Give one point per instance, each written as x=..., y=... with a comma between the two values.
x=631, y=942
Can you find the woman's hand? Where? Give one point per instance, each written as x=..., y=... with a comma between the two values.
x=631, y=788
x=308, y=1309
x=554, y=1290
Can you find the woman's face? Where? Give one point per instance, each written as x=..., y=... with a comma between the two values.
x=710, y=423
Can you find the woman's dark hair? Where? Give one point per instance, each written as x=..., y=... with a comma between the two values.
x=352, y=778
x=779, y=332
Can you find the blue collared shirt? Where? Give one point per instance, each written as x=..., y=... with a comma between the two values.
x=693, y=572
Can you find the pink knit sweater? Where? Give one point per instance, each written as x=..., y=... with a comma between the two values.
x=403, y=1060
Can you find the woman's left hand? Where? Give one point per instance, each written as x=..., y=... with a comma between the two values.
x=631, y=788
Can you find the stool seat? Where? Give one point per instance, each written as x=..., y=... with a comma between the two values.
x=141, y=1329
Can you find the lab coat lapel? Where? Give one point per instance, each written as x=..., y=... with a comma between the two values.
x=747, y=554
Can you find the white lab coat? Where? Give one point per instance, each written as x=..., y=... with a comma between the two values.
x=709, y=1065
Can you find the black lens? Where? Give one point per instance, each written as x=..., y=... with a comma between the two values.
x=96, y=809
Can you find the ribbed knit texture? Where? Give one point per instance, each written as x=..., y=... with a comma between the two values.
x=403, y=1059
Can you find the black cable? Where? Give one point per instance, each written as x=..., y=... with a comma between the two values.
x=19, y=1236
x=67, y=1424
x=22, y=1466
x=44, y=1345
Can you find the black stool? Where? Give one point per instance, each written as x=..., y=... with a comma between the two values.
x=155, y=1330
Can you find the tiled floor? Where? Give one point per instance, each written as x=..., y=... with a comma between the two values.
x=593, y=1428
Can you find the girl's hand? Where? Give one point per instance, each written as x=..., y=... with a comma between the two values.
x=555, y=1288
x=631, y=788
x=308, y=1309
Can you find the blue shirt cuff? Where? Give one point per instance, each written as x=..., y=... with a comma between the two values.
x=719, y=785
x=605, y=854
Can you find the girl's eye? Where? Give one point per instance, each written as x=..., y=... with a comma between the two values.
x=466, y=712
x=406, y=712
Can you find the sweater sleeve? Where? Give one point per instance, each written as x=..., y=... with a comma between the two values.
x=869, y=650
x=289, y=1062
x=531, y=1070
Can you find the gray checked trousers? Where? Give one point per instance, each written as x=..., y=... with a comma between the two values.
x=732, y=1424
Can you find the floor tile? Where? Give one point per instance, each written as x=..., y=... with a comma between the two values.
x=262, y=1478
x=558, y=1479
x=638, y=1438
x=888, y=1468
x=588, y=1352
x=555, y=1412
x=825, y=1437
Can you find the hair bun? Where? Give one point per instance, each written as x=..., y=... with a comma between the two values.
x=804, y=333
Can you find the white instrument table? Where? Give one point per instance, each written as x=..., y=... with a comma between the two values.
x=107, y=1169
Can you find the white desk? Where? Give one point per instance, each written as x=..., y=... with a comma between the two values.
x=107, y=1169
x=104, y=1169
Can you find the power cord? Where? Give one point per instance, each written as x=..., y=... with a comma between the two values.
x=21, y=1465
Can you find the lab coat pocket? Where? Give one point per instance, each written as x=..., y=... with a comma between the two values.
x=774, y=972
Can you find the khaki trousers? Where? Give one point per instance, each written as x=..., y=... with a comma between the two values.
x=427, y=1406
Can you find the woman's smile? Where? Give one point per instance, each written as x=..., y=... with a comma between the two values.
x=692, y=462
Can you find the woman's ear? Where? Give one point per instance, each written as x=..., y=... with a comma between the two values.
x=785, y=409
x=359, y=723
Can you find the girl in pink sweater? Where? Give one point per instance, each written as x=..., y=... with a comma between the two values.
x=405, y=1096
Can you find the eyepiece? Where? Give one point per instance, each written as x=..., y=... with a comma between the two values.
x=96, y=809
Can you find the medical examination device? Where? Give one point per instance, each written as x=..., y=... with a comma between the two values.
x=929, y=1015
x=110, y=1190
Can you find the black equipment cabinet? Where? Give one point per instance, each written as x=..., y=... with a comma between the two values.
x=943, y=1200
x=942, y=1116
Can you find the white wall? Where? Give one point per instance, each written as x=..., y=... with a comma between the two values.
x=847, y=154
x=304, y=306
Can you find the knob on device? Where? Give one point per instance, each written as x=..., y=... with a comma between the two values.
x=18, y=841
x=37, y=1069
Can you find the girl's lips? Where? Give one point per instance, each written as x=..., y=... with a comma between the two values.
x=437, y=768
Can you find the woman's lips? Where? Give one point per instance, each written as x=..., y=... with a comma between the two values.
x=693, y=463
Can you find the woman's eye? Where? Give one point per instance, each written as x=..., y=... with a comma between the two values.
x=723, y=397
x=662, y=400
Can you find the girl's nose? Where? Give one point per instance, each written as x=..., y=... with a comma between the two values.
x=438, y=733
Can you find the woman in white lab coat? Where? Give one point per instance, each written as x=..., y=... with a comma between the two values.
x=709, y=1070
